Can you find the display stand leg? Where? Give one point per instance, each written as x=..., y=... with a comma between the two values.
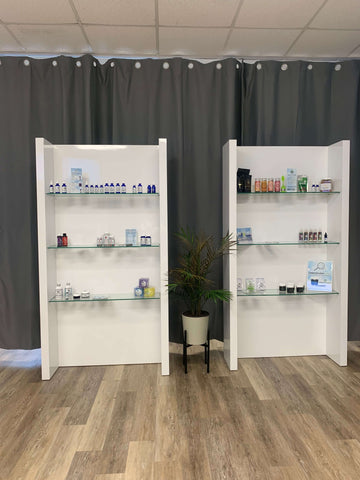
x=185, y=345
x=206, y=346
x=207, y=352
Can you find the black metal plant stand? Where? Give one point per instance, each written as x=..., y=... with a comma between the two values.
x=206, y=346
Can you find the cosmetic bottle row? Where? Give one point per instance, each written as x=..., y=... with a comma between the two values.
x=143, y=289
x=312, y=236
x=108, y=240
x=251, y=284
x=66, y=293
x=62, y=240
x=289, y=183
x=291, y=288
x=59, y=188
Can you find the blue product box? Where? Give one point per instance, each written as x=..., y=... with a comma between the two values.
x=138, y=292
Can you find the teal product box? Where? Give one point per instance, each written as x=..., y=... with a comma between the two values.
x=131, y=236
x=291, y=180
x=76, y=180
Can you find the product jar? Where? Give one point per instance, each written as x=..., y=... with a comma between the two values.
x=326, y=185
x=257, y=185
x=270, y=185
x=277, y=185
x=290, y=288
x=263, y=185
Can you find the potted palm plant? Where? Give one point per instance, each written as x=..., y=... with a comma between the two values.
x=190, y=280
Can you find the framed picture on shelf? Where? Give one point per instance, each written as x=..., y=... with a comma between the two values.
x=319, y=276
x=244, y=234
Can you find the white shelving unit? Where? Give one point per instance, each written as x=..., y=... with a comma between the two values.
x=113, y=326
x=269, y=324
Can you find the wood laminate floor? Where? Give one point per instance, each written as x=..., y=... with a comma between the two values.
x=282, y=418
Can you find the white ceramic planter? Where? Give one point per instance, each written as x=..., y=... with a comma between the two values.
x=196, y=328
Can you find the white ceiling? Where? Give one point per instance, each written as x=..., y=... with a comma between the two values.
x=316, y=29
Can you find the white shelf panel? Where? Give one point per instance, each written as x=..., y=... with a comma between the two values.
x=269, y=324
x=66, y=338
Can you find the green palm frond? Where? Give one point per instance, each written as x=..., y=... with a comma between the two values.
x=190, y=280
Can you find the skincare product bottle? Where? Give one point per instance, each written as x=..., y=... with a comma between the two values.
x=58, y=291
x=325, y=237
x=270, y=185
x=123, y=188
x=101, y=189
x=306, y=236
x=59, y=240
x=112, y=188
x=64, y=240
x=315, y=235
x=57, y=187
x=51, y=187
x=301, y=236
x=117, y=188
x=283, y=188
x=96, y=188
x=310, y=235
x=319, y=236
x=149, y=189
x=68, y=291
x=107, y=189
x=87, y=188
x=277, y=185
x=257, y=185
x=148, y=241
x=153, y=189
x=263, y=185
x=142, y=240
x=139, y=189
x=134, y=189
x=92, y=189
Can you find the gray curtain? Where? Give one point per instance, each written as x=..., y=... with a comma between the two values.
x=197, y=109
x=309, y=106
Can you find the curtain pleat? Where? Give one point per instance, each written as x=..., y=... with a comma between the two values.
x=78, y=100
x=197, y=107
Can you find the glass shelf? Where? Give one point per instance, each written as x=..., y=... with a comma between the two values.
x=105, y=195
x=105, y=298
x=311, y=244
x=286, y=193
x=144, y=247
x=275, y=293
